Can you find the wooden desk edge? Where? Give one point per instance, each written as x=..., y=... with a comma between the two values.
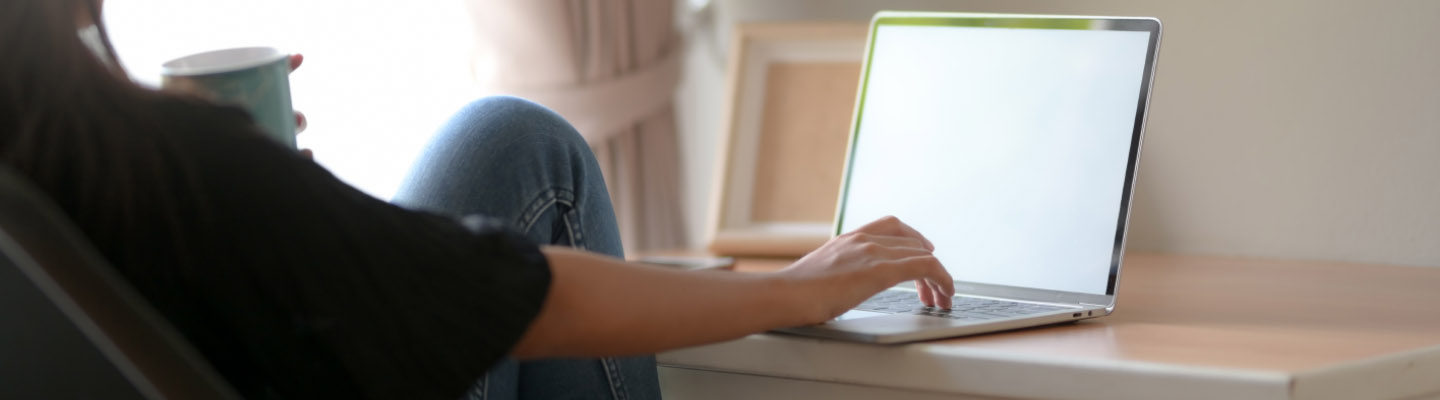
x=1401, y=373
x=979, y=372
x=1396, y=376
x=937, y=369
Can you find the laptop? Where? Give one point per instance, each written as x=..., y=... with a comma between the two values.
x=1011, y=143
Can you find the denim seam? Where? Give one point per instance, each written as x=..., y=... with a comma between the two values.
x=547, y=199
x=573, y=229
x=612, y=374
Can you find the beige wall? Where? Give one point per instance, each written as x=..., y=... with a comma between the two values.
x=1293, y=129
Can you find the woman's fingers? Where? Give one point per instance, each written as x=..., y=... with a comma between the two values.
x=891, y=241
x=880, y=255
x=300, y=122
x=937, y=297
x=898, y=241
x=891, y=226
x=941, y=293
x=943, y=283
x=932, y=283
x=927, y=296
x=883, y=252
x=923, y=267
x=295, y=61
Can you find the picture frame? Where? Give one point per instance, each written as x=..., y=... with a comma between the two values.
x=791, y=96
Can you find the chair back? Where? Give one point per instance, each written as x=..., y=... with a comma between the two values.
x=71, y=327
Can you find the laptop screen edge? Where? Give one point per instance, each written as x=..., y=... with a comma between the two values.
x=1151, y=25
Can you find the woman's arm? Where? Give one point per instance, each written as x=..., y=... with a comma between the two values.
x=601, y=306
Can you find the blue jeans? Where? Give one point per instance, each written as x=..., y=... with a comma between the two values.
x=511, y=159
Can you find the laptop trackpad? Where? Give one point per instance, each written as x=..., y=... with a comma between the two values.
x=854, y=314
x=885, y=324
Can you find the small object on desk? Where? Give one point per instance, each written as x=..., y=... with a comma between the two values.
x=691, y=263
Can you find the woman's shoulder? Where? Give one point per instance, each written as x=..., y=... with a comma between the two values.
x=194, y=124
x=194, y=112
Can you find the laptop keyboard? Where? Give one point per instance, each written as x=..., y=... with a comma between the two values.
x=964, y=308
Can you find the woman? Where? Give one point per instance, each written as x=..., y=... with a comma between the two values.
x=295, y=285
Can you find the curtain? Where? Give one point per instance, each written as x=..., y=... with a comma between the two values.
x=610, y=67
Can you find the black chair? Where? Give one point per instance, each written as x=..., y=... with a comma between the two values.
x=70, y=327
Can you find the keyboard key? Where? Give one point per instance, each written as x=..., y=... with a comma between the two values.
x=970, y=308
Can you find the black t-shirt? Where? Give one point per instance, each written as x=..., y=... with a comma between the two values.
x=290, y=282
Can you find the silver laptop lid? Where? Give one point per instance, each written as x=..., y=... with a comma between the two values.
x=1010, y=141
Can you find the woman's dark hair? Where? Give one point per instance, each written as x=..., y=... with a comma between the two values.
x=76, y=126
x=53, y=87
x=50, y=76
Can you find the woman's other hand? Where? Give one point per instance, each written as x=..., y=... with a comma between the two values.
x=295, y=61
x=854, y=266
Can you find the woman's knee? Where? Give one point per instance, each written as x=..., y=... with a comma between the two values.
x=507, y=119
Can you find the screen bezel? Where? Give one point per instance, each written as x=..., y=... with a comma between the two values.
x=1018, y=21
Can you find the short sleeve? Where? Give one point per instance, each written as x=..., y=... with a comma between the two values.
x=324, y=290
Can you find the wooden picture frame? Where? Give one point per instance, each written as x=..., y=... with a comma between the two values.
x=792, y=90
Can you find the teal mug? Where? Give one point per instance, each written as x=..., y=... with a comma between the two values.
x=256, y=79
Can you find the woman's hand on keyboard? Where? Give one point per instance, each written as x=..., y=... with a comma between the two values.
x=854, y=266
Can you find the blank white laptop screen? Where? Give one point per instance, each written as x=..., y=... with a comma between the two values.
x=1006, y=147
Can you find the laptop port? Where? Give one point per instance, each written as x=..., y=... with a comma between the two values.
x=1077, y=315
